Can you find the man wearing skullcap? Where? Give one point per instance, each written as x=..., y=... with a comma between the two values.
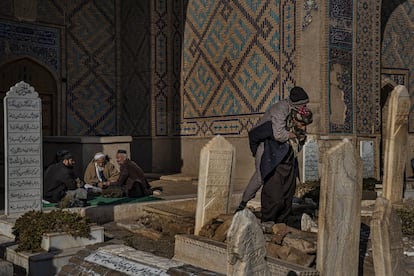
x=275, y=141
x=100, y=171
x=131, y=178
x=60, y=181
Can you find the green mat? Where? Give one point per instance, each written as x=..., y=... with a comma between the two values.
x=100, y=200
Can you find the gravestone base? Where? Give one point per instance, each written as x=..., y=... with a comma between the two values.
x=212, y=255
x=44, y=263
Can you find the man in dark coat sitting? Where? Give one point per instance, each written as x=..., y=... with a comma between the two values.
x=61, y=183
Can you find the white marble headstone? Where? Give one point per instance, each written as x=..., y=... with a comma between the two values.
x=310, y=161
x=367, y=156
x=23, y=149
x=214, y=180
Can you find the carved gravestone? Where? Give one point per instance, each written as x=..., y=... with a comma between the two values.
x=23, y=149
x=339, y=211
x=246, y=246
x=368, y=158
x=214, y=181
x=395, y=136
x=310, y=161
x=386, y=239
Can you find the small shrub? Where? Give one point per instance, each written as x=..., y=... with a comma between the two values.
x=406, y=214
x=30, y=227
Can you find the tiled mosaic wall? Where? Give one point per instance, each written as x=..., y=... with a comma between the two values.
x=87, y=29
x=135, y=61
x=368, y=48
x=397, y=46
x=340, y=55
x=239, y=58
x=91, y=66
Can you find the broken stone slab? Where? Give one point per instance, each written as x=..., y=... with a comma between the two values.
x=289, y=254
x=300, y=242
x=141, y=229
x=212, y=255
x=221, y=231
x=307, y=224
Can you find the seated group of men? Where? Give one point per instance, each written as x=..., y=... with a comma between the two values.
x=62, y=185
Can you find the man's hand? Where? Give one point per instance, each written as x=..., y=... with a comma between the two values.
x=103, y=185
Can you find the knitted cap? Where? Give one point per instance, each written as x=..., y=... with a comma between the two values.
x=298, y=96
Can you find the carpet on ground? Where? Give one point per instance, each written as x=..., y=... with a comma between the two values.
x=100, y=200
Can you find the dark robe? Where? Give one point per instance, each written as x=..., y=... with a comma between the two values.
x=132, y=180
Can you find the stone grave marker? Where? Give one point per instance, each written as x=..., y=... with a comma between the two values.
x=386, y=239
x=366, y=151
x=23, y=149
x=395, y=137
x=339, y=211
x=214, y=181
x=310, y=161
x=246, y=246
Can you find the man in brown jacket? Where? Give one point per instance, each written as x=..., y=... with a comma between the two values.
x=131, y=178
x=100, y=171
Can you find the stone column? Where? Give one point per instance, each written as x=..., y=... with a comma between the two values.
x=386, y=238
x=217, y=160
x=340, y=208
x=395, y=136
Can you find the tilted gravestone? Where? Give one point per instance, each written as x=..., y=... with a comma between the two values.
x=214, y=181
x=23, y=149
x=339, y=211
x=395, y=136
x=386, y=239
x=246, y=246
x=310, y=161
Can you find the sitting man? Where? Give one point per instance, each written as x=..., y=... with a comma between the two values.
x=100, y=171
x=131, y=180
x=62, y=185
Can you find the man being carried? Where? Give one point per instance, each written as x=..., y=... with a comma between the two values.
x=275, y=143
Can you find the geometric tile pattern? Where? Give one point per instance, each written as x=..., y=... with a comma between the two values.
x=135, y=83
x=367, y=51
x=23, y=39
x=397, y=46
x=239, y=58
x=167, y=35
x=340, y=52
x=91, y=67
x=161, y=74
